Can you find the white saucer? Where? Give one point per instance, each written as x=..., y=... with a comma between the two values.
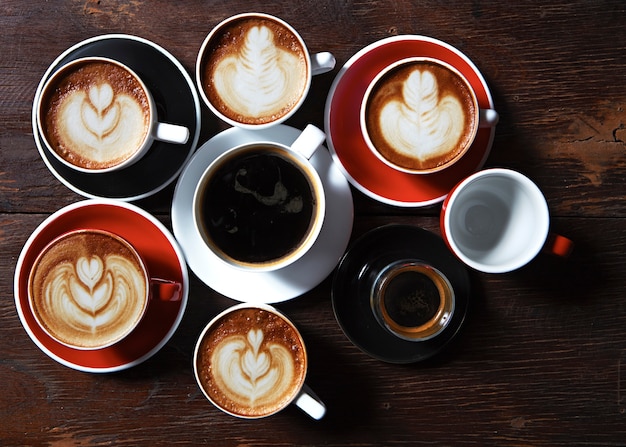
x=264, y=287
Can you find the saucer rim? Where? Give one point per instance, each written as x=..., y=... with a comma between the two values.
x=409, y=38
x=184, y=231
x=122, y=37
x=33, y=237
x=417, y=352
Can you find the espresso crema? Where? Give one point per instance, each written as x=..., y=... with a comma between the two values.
x=421, y=115
x=413, y=300
x=251, y=363
x=255, y=70
x=88, y=289
x=95, y=114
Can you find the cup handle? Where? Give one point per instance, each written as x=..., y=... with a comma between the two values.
x=171, y=133
x=308, y=402
x=488, y=118
x=166, y=290
x=558, y=245
x=322, y=63
x=308, y=141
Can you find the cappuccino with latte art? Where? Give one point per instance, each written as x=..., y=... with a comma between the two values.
x=88, y=289
x=250, y=362
x=253, y=70
x=97, y=114
x=419, y=115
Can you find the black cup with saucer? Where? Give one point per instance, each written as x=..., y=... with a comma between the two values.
x=358, y=277
x=176, y=100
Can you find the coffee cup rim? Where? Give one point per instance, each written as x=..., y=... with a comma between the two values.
x=200, y=63
x=381, y=74
x=138, y=257
x=207, y=328
x=147, y=139
x=313, y=234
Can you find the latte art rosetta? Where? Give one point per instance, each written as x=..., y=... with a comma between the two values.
x=251, y=372
x=261, y=79
x=423, y=124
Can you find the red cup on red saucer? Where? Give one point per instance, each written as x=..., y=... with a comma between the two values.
x=162, y=256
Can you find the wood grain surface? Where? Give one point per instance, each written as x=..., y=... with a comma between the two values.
x=541, y=360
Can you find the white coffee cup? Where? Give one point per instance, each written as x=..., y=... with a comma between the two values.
x=246, y=75
x=497, y=221
x=251, y=362
x=265, y=215
x=421, y=100
x=100, y=114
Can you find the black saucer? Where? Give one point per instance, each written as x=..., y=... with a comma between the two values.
x=354, y=277
x=177, y=102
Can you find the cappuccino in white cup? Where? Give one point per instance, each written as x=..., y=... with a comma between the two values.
x=96, y=115
x=420, y=115
x=251, y=362
x=254, y=70
x=89, y=289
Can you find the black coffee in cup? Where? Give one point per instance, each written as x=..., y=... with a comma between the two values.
x=258, y=206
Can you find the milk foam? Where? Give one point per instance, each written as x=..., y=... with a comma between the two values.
x=92, y=301
x=422, y=125
x=259, y=80
x=252, y=373
x=100, y=126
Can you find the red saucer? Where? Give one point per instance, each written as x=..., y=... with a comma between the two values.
x=157, y=247
x=362, y=168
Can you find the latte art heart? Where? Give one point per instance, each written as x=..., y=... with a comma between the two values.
x=90, y=270
x=100, y=114
x=423, y=124
x=260, y=80
x=96, y=114
x=250, y=372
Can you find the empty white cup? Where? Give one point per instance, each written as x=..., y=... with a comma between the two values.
x=497, y=220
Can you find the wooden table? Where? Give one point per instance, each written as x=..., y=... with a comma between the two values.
x=541, y=359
